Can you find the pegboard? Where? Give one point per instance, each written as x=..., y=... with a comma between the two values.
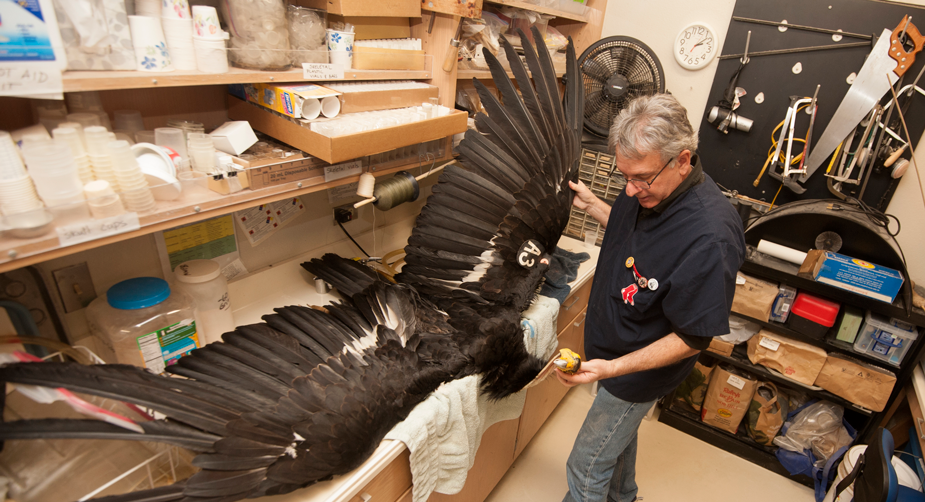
x=735, y=159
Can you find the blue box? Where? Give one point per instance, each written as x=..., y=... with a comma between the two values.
x=858, y=276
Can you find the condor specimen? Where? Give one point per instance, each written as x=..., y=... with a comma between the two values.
x=310, y=394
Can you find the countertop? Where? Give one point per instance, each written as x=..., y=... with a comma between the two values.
x=288, y=284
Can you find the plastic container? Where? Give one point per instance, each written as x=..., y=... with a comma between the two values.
x=780, y=310
x=203, y=281
x=813, y=315
x=885, y=338
x=142, y=322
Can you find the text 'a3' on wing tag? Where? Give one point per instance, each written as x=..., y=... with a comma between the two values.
x=529, y=253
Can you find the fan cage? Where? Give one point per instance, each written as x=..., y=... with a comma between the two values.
x=594, y=172
x=617, y=55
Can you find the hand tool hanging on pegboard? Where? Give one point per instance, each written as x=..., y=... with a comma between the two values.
x=890, y=57
x=724, y=112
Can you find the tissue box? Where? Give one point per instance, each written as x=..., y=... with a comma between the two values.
x=234, y=137
x=114, y=52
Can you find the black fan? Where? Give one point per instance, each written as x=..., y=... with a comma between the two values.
x=614, y=71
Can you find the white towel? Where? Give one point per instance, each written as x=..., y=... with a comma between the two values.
x=443, y=433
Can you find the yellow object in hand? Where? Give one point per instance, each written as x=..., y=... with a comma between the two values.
x=568, y=361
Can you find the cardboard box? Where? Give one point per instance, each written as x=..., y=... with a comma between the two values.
x=755, y=298
x=372, y=28
x=720, y=347
x=373, y=58
x=276, y=172
x=862, y=384
x=367, y=101
x=366, y=8
x=233, y=137
x=794, y=359
x=349, y=147
x=858, y=276
x=287, y=99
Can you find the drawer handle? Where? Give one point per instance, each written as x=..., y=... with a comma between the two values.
x=574, y=301
x=921, y=423
x=366, y=497
x=582, y=321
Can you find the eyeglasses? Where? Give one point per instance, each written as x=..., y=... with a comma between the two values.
x=641, y=184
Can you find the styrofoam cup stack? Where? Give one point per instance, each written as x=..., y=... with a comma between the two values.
x=202, y=152
x=211, y=55
x=11, y=165
x=85, y=119
x=103, y=200
x=54, y=172
x=179, y=36
x=128, y=120
x=70, y=136
x=96, y=139
x=151, y=53
x=18, y=195
x=132, y=182
x=150, y=8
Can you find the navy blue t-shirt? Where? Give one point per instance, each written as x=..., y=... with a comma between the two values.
x=693, y=248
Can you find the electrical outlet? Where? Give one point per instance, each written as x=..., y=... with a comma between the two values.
x=75, y=286
x=344, y=213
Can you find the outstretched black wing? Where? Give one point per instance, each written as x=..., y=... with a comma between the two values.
x=485, y=229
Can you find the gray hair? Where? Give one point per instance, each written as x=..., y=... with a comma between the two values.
x=652, y=124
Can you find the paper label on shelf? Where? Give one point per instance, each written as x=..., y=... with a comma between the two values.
x=212, y=239
x=322, y=71
x=77, y=233
x=259, y=223
x=736, y=382
x=338, y=171
x=40, y=81
x=769, y=344
x=343, y=193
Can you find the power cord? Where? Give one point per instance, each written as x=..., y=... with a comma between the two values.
x=338, y=217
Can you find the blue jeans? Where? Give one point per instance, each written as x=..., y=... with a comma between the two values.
x=602, y=465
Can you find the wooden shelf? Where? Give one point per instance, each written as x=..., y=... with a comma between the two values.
x=542, y=10
x=486, y=74
x=197, y=203
x=116, y=80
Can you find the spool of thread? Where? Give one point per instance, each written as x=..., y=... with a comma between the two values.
x=782, y=252
x=366, y=186
x=396, y=191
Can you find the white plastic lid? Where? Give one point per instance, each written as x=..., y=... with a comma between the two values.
x=197, y=271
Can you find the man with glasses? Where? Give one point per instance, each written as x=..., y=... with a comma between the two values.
x=662, y=289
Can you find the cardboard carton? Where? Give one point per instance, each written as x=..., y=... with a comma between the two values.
x=858, y=276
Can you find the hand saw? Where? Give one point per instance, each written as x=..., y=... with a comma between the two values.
x=888, y=59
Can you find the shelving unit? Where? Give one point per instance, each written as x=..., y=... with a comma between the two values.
x=117, y=80
x=542, y=10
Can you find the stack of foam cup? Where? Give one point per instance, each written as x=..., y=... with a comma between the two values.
x=202, y=152
x=150, y=8
x=85, y=119
x=102, y=199
x=209, y=40
x=52, y=167
x=96, y=139
x=178, y=31
x=17, y=192
x=72, y=138
x=129, y=121
x=132, y=182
